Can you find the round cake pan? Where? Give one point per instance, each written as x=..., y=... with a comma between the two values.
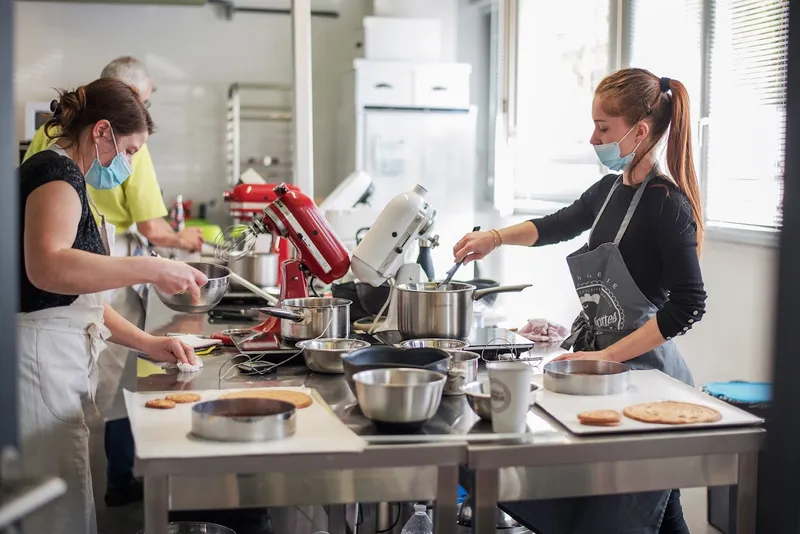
x=586, y=377
x=243, y=419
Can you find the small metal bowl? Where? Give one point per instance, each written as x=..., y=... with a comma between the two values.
x=462, y=369
x=190, y=527
x=434, y=343
x=325, y=355
x=399, y=400
x=479, y=398
x=243, y=419
x=210, y=294
x=586, y=377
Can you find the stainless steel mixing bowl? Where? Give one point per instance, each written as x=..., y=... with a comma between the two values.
x=399, y=399
x=210, y=294
x=325, y=355
x=479, y=398
x=188, y=527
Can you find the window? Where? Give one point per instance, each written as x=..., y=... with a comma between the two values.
x=730, y=54
x=747, y=112
x=563, y=52
x=678, y=58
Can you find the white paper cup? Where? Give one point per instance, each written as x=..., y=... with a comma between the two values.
x=510, y=384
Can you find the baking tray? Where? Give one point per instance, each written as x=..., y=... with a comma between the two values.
x=166, y=434
x=489, y=342
x=646, y=386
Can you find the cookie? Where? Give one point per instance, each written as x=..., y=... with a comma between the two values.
x=600, y=417
x=160, y=404
x=672, y=413
x=183, y=398
x=300, y=400
x=613, y=423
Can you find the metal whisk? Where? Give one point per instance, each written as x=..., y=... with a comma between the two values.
x=236, y=241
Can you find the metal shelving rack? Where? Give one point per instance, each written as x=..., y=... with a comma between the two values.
x=239, y=112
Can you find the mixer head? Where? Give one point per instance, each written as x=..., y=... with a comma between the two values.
x=236, y=241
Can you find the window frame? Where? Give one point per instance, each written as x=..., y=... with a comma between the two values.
x=619, y=54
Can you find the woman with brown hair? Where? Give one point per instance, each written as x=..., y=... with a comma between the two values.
x=65, y=268
x=638, y=278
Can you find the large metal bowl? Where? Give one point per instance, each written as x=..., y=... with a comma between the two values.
x=189, y=527
x=325, y=355
x=586, y=377
x=479, y=398
x=210, y=294
x=399, y=400
x=383, y=357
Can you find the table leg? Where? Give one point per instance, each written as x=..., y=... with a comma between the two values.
x=337, y=519
x=156, y=504
x=444, y=512
x=484, y=500
x=746, y=494
x=369, y=519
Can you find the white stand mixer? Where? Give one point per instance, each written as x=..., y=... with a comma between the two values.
x=381, y=254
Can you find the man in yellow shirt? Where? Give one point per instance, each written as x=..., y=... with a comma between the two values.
x=138, y=202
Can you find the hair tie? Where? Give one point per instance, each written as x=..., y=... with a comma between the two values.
x=55, y=107
x=664, y=84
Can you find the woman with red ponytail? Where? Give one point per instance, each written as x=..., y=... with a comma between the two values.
x=638, y=278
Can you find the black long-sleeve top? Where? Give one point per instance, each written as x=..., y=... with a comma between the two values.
x=659, y=247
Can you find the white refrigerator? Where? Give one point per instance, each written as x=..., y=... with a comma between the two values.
x=402, y=147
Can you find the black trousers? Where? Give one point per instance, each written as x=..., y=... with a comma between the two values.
x=673, y=522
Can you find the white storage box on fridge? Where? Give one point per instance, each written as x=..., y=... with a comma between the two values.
x=402, y=39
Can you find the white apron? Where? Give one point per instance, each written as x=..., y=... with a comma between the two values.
x=117, y=363
x=58, y=351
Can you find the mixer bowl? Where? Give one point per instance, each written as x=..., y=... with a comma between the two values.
x=210, y=294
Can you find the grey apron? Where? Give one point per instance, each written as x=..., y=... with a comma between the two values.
x=613, y=307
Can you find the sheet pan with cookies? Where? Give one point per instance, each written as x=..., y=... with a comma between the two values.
x=654, y=402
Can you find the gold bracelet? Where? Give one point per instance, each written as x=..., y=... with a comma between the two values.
x=498, y=239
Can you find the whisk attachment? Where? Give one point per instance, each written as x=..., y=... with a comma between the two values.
x=236, y=241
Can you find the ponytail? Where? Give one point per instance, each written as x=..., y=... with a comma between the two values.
x=680, y=161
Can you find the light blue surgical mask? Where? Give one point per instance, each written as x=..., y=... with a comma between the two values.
x=609, y=154
x=112, y=176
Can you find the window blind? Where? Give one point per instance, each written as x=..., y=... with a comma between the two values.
x=747, y=111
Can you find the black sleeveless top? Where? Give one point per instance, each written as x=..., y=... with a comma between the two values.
x=38, y=170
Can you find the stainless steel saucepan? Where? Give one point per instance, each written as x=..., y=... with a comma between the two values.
x=427, y=310
x=312, y=317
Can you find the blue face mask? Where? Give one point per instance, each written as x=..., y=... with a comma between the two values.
x=109, y=177
x=609, y=154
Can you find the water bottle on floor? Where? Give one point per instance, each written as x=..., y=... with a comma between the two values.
x=419, y=523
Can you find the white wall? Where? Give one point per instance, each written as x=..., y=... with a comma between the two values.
x=446, y=11
x=195, y=54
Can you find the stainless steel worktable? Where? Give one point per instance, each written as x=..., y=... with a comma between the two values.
x=547, y=463
x=382, y=473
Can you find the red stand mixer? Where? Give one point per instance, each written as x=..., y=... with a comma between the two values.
x=247, y=202
x=295, y=217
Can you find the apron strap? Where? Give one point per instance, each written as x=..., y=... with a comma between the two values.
x=603, y=207
x=637, y=197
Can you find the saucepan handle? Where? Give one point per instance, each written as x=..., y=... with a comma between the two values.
x=283, y=314
x=480, y=293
